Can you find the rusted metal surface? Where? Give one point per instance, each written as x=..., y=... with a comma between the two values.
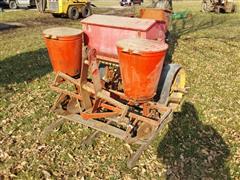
x=137, y=127
x=86, y=101
x=92, y=57
x=98, y=98
x=100, y=126
x=133, y=159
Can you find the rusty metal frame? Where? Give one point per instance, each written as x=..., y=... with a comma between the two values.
x=98, y=110
x=99, y=126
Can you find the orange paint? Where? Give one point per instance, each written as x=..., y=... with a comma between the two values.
x=65, y=49
x=160, y=15
x=141, y=62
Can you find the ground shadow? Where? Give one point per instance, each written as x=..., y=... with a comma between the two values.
x=24, y=67
x=193, y=150
x=186, y=25
x=6, y=26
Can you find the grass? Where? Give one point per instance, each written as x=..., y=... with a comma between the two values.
x=201, y=142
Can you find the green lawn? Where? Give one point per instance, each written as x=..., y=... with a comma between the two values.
x=201, y=142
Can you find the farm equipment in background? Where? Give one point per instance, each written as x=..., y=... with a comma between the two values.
x=162, y=4
x=70, y=8
x=181, y=15
x=116, y=81
x=219, y=6
x=14, y=4
x=130, y=2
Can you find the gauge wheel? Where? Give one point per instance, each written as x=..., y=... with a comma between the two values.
x=86, y=11
x=176, y=96
x=12, y=5
x=171, y=86
x=73, y=13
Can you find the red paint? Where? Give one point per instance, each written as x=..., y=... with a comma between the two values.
x=102, y=32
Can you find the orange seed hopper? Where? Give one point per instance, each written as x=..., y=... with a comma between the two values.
x=141, y=63
x=65, y=49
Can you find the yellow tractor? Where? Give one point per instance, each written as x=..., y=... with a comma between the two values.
x=70, y=8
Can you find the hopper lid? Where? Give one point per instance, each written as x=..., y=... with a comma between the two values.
x=62, y=32
x=119, y=22
x=139, y=45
